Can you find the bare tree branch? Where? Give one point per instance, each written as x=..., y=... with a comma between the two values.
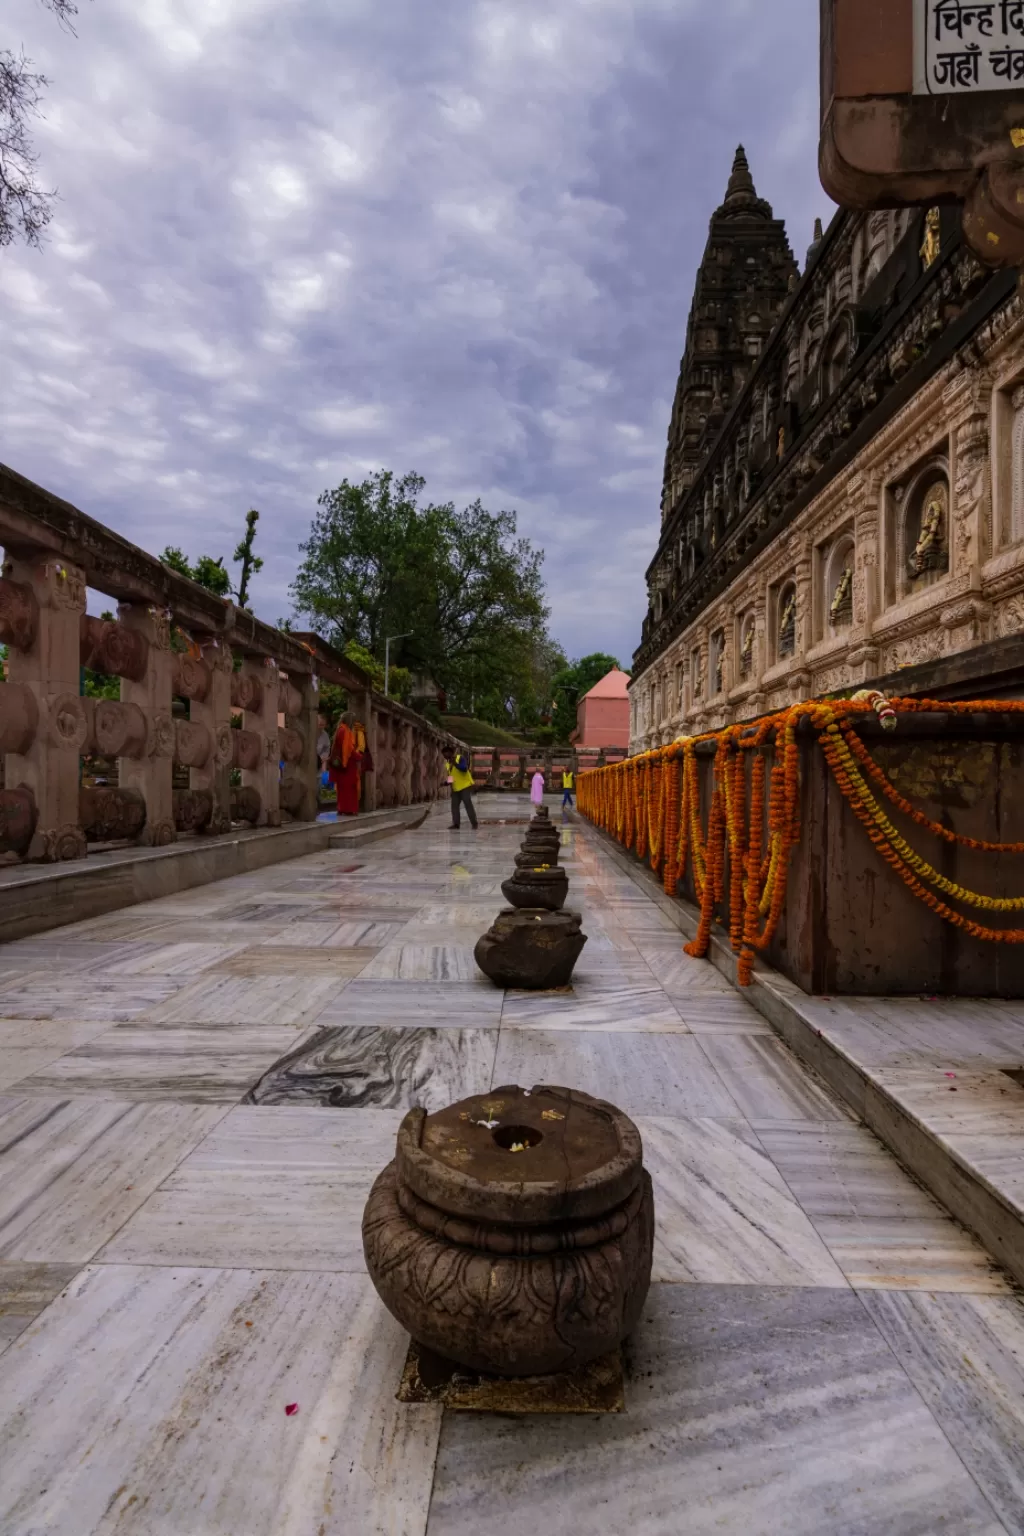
x=25, y=208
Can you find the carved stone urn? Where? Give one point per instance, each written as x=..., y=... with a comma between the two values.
x=530, y=948
x=513, y=1232
x=543, y=844
x=546, y=888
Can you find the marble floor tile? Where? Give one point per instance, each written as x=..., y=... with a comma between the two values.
x=681, y=974
x=998, y=1158
x=910, y=1254
x=712, y=1013
x=282, y=1186
x=965, y=1355
x=401, y=1005
x=143, y=1403
x=723, y=1213
x=358, y=1066
x=972, y=1103
x=767, y=1081
x=63, y=954
x=178, y=960
x=843, y=1170
x=644, y=1074
x=19, y=1062
x=72, y=1172
x=363, y=934
x=57, y=1035
x=217, y=999
x=766, y=1412
x=193, y=1064
x=587, y=1007
x=423, y=962
x=86, y=996
x=25, y=1291
x=295, y=960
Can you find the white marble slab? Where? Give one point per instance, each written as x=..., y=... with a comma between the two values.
x=401, y=1005
x=643, y=1073
x=282, y=1186
x=25, y=1291
x=965, y=1355
x=723, y=1213
x=71, y=1173
x=680, y=974
x=749, y=1412
x=85, y=995
x=197, y=1064
x=423, y=962
x=142, y=1402
x=176, y=959
x=19, y=1062
x=298, y=961
x=767, y=1081
x=967, y=1102
x=711, y=1013
x=593, y=1007
x=217, y=999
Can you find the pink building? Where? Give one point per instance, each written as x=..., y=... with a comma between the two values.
x=602, y=715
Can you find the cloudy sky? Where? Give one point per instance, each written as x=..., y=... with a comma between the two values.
x=299, y=240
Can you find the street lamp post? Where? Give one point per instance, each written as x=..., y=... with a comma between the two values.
x=387, y=656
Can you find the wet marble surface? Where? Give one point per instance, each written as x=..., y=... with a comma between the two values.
x=73, y=1171
x=214, y=1064
x=776, y=1411
x=765, y=1392
x=25, y=1291
x=152, y=1401
x=281, y=1187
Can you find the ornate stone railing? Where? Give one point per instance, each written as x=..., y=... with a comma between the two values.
x=171, y=641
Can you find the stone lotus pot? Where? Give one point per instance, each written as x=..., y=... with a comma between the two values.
x=531, y=948
x=546, y=888
x=513, y=1232
x=533, y=860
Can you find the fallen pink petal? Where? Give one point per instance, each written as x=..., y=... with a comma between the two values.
x=291, y=1408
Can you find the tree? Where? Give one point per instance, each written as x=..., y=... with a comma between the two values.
x=25, y=208
x=569, y=686
x=211, y=573
x=251, y=564
x=463, y=585
x=207, y=571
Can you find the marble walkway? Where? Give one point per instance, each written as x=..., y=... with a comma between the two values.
x=195, y=1095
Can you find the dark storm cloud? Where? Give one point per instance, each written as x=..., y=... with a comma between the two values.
x=301, y=241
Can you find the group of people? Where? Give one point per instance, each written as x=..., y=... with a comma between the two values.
x=344, y=758
x=460, y=777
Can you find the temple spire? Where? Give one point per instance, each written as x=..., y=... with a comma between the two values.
x=741, y=183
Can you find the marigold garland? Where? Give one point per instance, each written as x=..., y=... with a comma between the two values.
x=652, y=804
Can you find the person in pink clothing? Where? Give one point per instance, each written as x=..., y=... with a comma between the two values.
x=537, y=787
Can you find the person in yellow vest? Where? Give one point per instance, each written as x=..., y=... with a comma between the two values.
x=462, y=786
x=568, y=785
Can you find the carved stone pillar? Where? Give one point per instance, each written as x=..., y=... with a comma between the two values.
x=366, y=713
x=255, y=692
x=301, y=701
x=968, y=398
x=48, y=665
x=214, y=712
x=151, y=774
x=405, y=746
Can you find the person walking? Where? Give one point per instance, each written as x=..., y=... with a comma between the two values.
x=537, y=787
x=568, y=785
x=462, y=792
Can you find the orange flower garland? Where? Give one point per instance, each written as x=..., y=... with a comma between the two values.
x=652, y=805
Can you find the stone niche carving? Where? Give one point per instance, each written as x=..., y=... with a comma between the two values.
x=513, y=1232
x=786, y=631
x=19, y=614
x=927, y=530
x=192, y=678
x=107, y=814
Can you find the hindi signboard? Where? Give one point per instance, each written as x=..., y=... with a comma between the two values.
x=961, y=46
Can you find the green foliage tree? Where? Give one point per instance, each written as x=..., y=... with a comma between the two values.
x=378, y=562
x=251, y=564
x=570, y=684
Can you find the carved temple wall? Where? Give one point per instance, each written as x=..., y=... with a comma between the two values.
x=912, y=550
x=209, y=697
